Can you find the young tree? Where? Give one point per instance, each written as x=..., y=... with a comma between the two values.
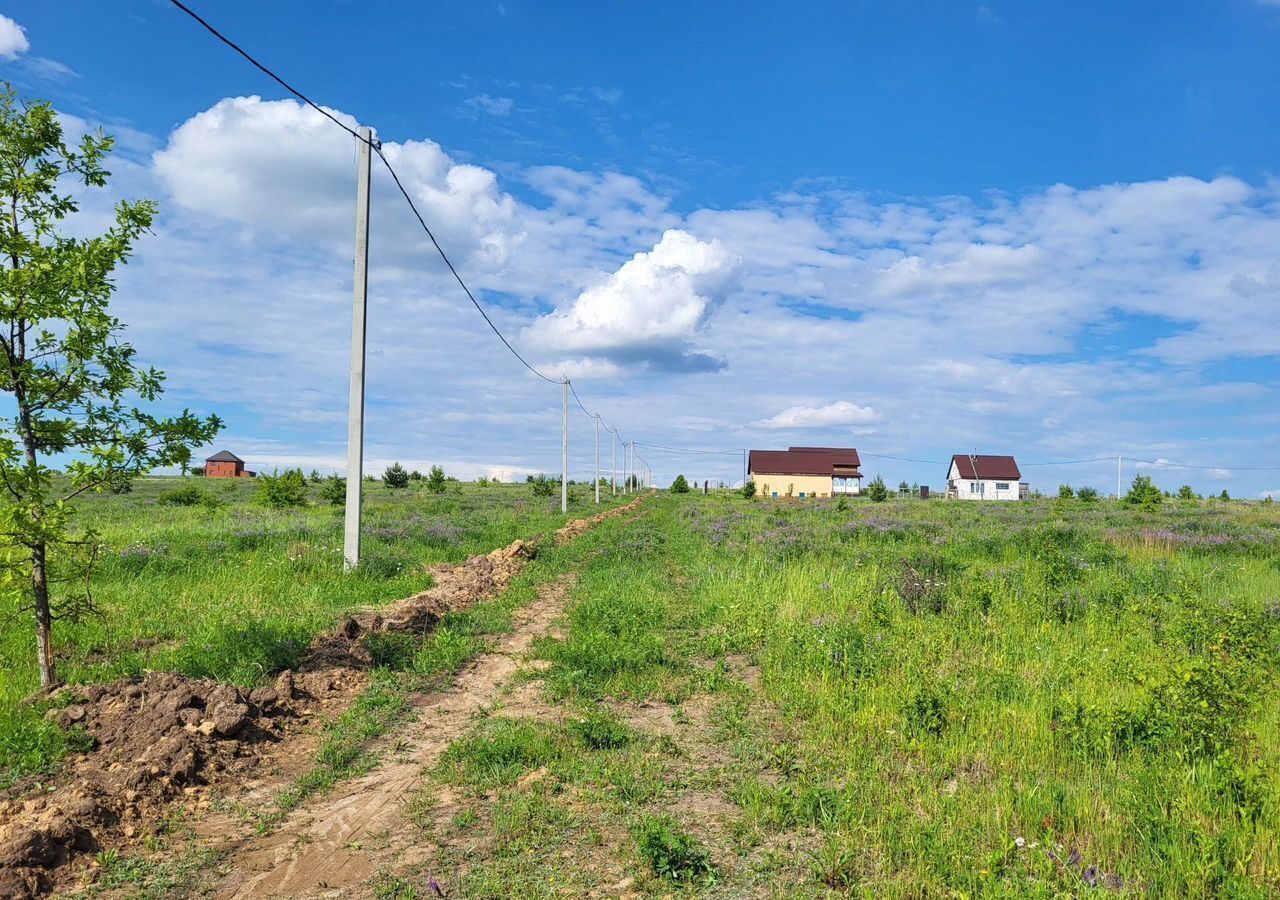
x=877, y=491
x=395, y=476
x=1065, y=492
x=63, y=361
x=436, y=481
x=334, y=490
x=1186, y=492
x=1143, y=493
x=680, y=485
x=1088, y=494
x=749, y=489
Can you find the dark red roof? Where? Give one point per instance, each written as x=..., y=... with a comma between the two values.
x=972, y=466
x=840, y=456
x=806, y=461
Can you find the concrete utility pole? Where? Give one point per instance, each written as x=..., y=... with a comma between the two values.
x=626, y=469
x=1119, y=477
x=597, y=459
x=615, y=461
x=564, y=453
x=355, y=402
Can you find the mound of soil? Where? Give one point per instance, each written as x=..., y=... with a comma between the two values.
x=153, y=738
x=455, y=588
x=578, y=526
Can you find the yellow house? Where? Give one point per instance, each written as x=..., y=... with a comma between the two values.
x=806, y=472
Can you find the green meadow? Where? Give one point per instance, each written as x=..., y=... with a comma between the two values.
x=229, y=588
x=764, y=698
x=904, y=699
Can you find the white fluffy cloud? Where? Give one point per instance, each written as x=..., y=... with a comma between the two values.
x=650, y=310
x=13, y=39
x=842, y=412
x=1063, y=323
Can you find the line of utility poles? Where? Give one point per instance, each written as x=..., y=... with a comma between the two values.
x=355, y=402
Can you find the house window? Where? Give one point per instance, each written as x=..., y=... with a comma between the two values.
x=973, y=487
x=1002, y=485
x=802, y=495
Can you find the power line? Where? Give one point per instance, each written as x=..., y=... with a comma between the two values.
x=1071, y=462
x=688, y=449
x=377, y=147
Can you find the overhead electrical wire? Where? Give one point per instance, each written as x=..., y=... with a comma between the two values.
x=377, y=148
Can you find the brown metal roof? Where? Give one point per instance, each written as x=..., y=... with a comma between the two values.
x=224, y=456
x=806, y=461
x=972, y=466
x=840, y=456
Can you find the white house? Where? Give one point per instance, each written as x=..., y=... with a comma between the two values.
x=973, y=477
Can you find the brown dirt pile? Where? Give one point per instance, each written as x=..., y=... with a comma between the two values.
x=154, y=738
x=455, y=588
x=578, y=526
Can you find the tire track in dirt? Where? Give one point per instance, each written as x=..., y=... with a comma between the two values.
x=344, y=838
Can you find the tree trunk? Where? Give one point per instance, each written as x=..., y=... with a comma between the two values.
x=44, y=618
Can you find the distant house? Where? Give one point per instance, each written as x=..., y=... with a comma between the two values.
x=225, y=464
x=974, y=477
x=806, y=472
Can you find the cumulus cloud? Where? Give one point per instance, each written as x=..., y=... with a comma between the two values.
x=13, y=39
x=282, y=166
x=842, y=412
x=650, y=310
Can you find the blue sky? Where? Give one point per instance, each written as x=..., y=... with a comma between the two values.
x=1042, y=229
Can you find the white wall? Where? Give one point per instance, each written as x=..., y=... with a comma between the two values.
x=986, y=488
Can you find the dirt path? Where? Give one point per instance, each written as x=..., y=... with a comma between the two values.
x=344, y=838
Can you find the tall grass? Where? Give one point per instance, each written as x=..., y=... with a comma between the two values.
x=224, y=587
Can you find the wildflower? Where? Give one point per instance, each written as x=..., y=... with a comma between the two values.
x=1020, y=842
x=1073, y=859
x=1090, y=876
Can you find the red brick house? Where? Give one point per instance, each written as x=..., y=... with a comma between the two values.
x=225, y=464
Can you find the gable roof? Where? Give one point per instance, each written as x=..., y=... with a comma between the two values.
x=224, y=456
x=972, y=466
x=806, y=461
x=840, y=456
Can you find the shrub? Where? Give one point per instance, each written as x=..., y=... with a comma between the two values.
x=543, y=486
x=395, y=476
x=482, y=481
x=314, y=477
x=1224, y=495
x=1065, y=492
x=1143, y=493
x=1088, y=494
x=673, y=852
x=1186, y=493
x=680, y=485
x=749, y=489
x=926, y=712
x=436, y=481
x=188, y=495
x=877, y=491
x=415, y=475
x=334, y=490
x=198, y=471
x=281, y=489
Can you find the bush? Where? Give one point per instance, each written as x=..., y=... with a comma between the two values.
x=1088, y=494
x=281, y=489
x=680, y=486
x=877, y=491
x=749, y=489
x=189, y=495
x=673, y=852
x=436, y=481
x=1065, y=492
x=1143, y=493
x=334, y=490
x=544, y=486
x=1224, y=495
x=1186, y=493
x=395, y=476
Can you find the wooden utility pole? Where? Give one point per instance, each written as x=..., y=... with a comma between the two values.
x=355, y=402
x=564, y=453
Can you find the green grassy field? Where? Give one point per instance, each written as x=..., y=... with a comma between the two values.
x=779, y=699
x=907, y=699
x=233, y=590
